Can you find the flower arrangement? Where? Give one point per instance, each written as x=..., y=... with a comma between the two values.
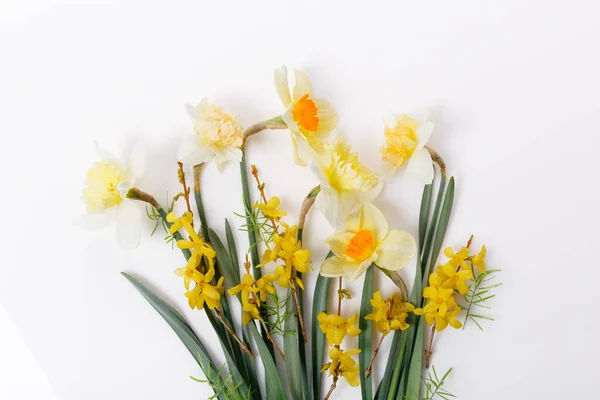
x=268, y=287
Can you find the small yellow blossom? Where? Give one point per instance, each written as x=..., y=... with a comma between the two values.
x=449, y=317
x=271, y=210
x=342, y=364
x=438, y=299
x=251, y=311
x=335, y=327
x=389, y=314
x=478, y=260
x=205, y=292
x=265, y=286
x=185, y=221
x=284, y=276
x=456, y=259
x=298, y=257
x=246, y=286
x=456, y=279
x=189, y=273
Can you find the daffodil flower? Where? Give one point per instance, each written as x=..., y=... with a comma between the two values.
x=270, y=210
x=218, y=136
x=345, y=182
x=365, y=241
x=335, y=327
x=405, y=140
x=107, y=184
x=309, y=119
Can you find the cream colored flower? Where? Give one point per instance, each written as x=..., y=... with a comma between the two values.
x=218, y=136
x=105, y=195
x=366, y=241
x=405, y=140
x=345, y=182
x=308, y=118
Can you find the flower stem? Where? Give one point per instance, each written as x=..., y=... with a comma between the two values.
x=186, y=189
x=428, y=352
x=274, y=123
x=333, y=385
x=232, y=333
x=436, y=158
x=339, y=310
x=298, y=309
x=271, y=338
x=199, y=203
x=370, y=367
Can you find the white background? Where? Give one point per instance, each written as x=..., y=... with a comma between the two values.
x=515, y=85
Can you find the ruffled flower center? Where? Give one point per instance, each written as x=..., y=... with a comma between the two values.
x=305, y=114
x=400, y=141
x=102, y=186
x=361, y=246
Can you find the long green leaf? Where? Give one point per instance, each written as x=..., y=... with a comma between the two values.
x=273, y=384
x=432, y=226
x=250, y=367
x=296, y=374
x=365, y=339
x=181, y=328
x=415, y=369
x=320, y=300
x=424, y=215
x=442, y=223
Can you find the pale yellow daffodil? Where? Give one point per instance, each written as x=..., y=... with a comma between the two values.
x=309, y=119
x=365, y=241
x=218, y=136
x=405, y=140
x=345, y=182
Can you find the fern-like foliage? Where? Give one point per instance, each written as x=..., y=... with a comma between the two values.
x=224, y=387
x=434, y=386
x=478, y=296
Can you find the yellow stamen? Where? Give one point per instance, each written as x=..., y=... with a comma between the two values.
x=305, y=114
x=361, y=246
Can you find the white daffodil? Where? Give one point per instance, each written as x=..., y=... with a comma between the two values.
x=345, y=182
x=366, y=241
x=107, y=183
x=309, y=119
x=218, y=136
x=405, y=140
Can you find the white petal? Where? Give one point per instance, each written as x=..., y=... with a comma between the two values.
x=396, y=251
x=349, y=203
x=282, y=85
x=328, y=117
x=303, y=153
x=420, y=166
x=194, y=150
x=192, y=112
x=333, y=267
x=371, y=194
x=222, y=155
x=390, y=121
x=106, y=156
x=129, y=224
x=136, y=167
x=424, y=133
x=339, y=242
x=95, y=220
x=302, y=86
x=354, y=272
x=368, y=218
x=327, y=203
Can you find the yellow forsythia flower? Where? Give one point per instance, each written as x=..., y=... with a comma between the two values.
x=457, y=259
x=246, y=286
x=389, y=314
x=455, y=277
x=251, y=311
x=308, y=118
x=265, y=286
x=478, y=260
x=335, y=327
x=452, y=311
x=189, y=273
x=271, y=209
x=343, y=364
x=205, y=292
x=185, y=221
x=284, y=276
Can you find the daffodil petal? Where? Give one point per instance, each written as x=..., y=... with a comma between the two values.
x=420, y=166
x=339, y=242
x=327, y=115
x=333, y=267
x=281, y=84
x=136, y=167
x=302, y=86
x=396, y=251
x=128, y=220
x=194, y=150
x=353, y=271
x=424, y=133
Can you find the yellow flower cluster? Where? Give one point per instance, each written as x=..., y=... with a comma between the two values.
x=271, y=208
x=441, y=308
x=290, y=251
x=253, y=293
x=205, y=291
x=389, y=314
x=342, y=364
x=335, y=327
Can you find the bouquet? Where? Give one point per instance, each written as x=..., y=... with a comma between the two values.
x=266, y=284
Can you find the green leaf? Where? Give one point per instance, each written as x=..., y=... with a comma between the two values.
x=294, y=368
x=442, y=224
x=274, y=386
x=250, y=367
x=320, y=299
x=424, y=215
x=181, y=328
x=432, y=225
x=365, y=338
x=415, y=368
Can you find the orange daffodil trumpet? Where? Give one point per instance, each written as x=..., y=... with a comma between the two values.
x=107, y=184
x=309, y=119
x=405, y=140
x=218, y=136
x=365, y=241
x=345, y=182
